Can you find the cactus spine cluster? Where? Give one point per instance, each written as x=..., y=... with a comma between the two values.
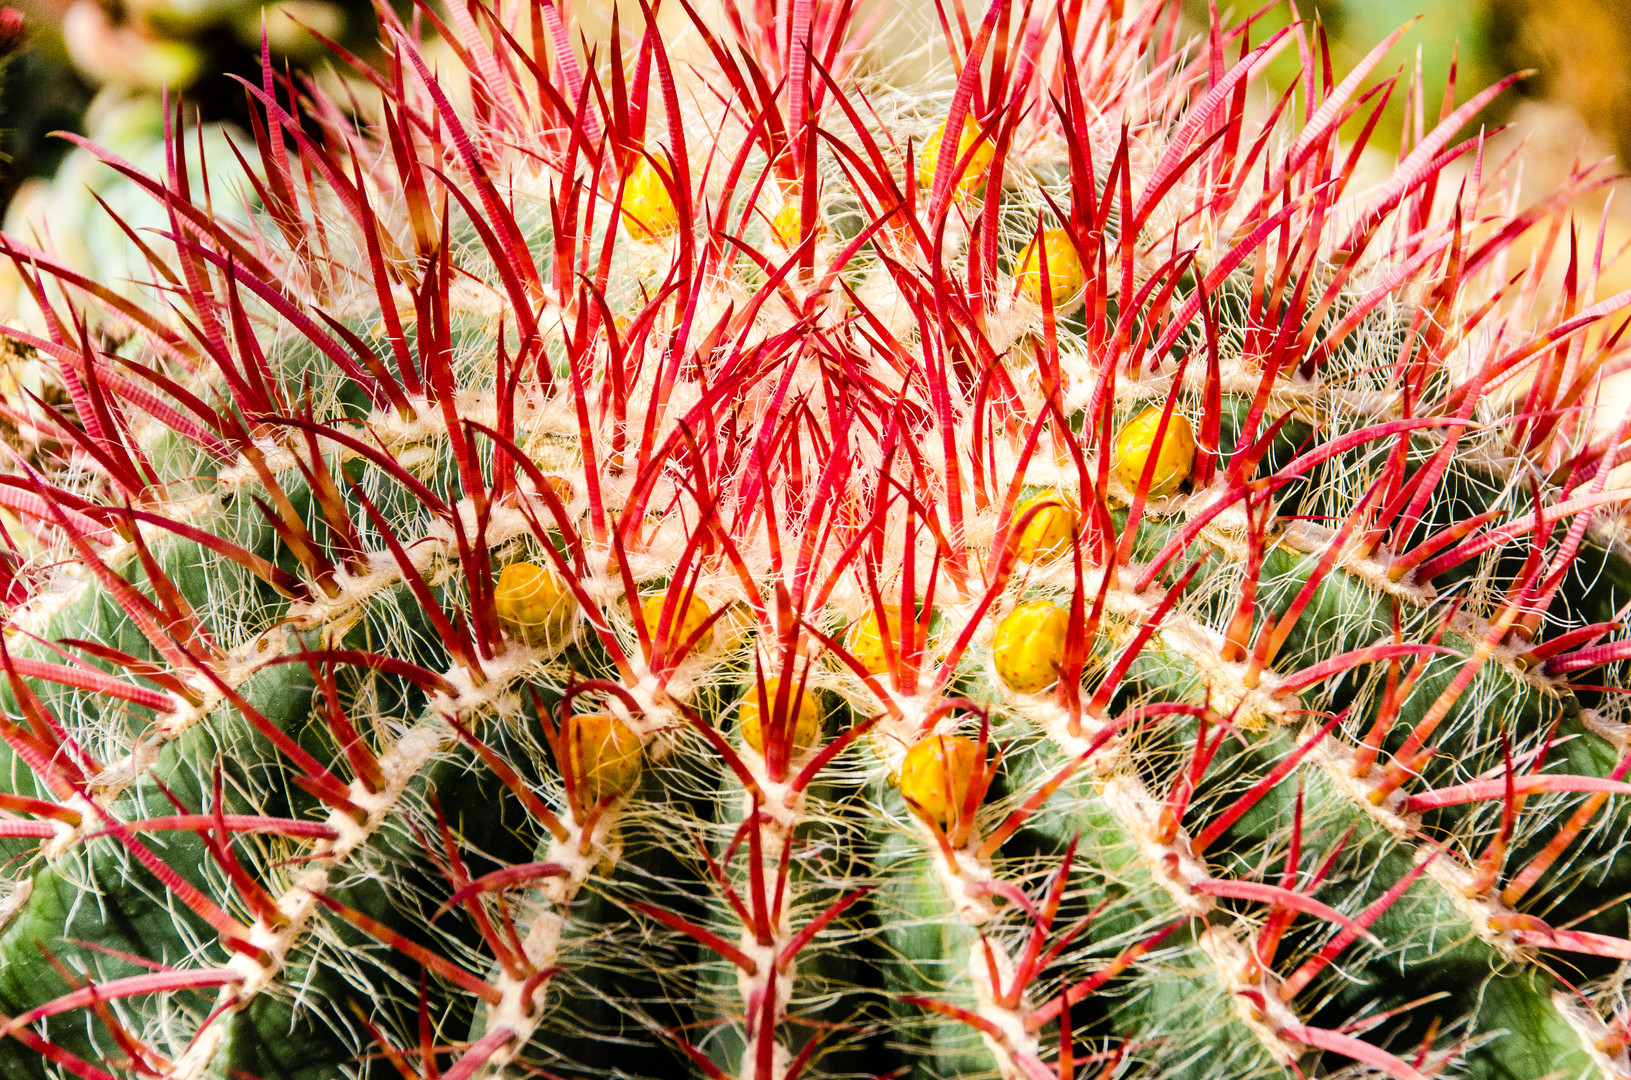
x=623, y=564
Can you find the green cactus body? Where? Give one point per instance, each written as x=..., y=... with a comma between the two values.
x=620, y=569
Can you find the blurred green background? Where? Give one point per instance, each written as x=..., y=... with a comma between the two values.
x=1578, y=50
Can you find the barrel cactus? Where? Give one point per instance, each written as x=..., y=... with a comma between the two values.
x=623, y=563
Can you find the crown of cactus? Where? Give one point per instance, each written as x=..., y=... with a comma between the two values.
x=629, y=564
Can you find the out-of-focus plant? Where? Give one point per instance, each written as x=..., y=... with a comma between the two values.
x=39, y=93
x=179, y=44
x=115, y=52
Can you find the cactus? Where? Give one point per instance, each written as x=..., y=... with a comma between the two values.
x=1105, y=597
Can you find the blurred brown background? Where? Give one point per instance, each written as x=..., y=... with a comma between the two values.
x=1581, y=50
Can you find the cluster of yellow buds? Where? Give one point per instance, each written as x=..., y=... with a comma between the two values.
x=1054, y=250
x=1030, y=645
x=605, y=754
x=979, y=153
x=805, y=711
x=1049, y=522
x=866, y=642
x=648, y=208
x=1174, y=454
x=936, y=773
x=534, y=604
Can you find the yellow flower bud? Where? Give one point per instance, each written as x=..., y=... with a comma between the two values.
x=1065, y=275
x=1030, y=645
x=560, y=486
x=736, y=628
x=788, y=224
x=806, y=721
x=1136, y=442
x=534, y=604
x=972, y=183
x=1025, y=362
x=867, y=645
x=605, y=756
x=936, y=775
x=649, y=212
x=685, y=621
x=1047, y=535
